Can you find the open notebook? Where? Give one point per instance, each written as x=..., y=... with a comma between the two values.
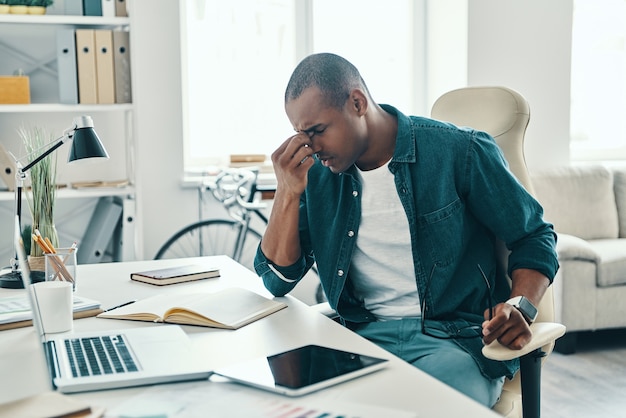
x=83, y=361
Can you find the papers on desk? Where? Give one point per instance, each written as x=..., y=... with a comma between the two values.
x=229, y=400
x=17, y=308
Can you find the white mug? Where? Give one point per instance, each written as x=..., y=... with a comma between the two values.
x=55, y=300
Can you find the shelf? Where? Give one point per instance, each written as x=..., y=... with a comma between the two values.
x=69, y=193
x=55, y=107
x=29, y=42
x=64, y=20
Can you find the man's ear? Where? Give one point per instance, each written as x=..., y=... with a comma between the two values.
x=358, y=101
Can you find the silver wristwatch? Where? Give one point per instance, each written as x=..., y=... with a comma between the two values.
x=528, y=310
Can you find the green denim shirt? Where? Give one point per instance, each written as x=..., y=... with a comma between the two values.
x=458, y=195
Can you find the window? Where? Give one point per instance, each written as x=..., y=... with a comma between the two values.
x=377, y=37
x=238, y=56
x=598, y=83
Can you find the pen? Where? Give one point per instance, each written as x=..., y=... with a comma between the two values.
x=119, y=306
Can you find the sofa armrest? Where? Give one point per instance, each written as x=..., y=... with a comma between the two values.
x=570, y=247
x=543, y=333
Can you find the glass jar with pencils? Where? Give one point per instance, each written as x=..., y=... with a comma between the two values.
x=61, y=265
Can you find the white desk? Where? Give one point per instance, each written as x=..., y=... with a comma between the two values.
x=400, y=386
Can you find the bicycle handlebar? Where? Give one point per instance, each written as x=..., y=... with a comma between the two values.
x=236, y=186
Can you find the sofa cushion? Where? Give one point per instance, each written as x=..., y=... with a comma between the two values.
x=579, y=200
x=612, y=268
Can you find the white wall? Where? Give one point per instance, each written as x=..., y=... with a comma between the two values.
x=162, y=206
x=524, y=45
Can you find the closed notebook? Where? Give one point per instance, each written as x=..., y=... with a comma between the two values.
x=230, y=308
x=177, y=274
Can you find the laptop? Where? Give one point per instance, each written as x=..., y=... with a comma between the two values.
x=87, y=361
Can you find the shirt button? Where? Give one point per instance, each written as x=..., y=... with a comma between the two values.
x=339, y=273
x=355, y=193
x=350, y=234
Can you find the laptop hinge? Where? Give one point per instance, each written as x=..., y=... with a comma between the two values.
x=53, y=363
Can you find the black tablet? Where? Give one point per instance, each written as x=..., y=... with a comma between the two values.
x=302, y=370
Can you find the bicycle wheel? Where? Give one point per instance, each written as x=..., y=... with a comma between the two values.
x=211, y=237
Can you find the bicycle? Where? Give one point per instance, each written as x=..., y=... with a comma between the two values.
x=237, y=190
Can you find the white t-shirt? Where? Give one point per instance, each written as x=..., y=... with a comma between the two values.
x=382, y=268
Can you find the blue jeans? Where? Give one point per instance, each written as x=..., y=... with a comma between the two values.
x=440, y=358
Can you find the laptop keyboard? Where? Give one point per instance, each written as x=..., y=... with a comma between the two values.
x=99, y=355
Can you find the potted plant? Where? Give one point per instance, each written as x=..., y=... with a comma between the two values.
x=4, y=7
x=18, y=6
x=38, y=7
x=41, y=200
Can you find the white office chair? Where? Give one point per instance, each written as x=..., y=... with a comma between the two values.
x=504, y=114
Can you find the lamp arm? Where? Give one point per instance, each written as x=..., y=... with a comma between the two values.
x=47, y=152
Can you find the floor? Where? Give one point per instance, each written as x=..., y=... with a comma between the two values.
x=589, y=383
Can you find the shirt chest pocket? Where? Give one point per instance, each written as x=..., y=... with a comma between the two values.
x=441, y=233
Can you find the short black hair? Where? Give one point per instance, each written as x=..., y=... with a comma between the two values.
x=333, y=75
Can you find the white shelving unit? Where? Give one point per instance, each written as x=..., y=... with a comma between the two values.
x=28, y=43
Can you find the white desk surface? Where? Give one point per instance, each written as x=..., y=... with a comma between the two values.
x=400, y=386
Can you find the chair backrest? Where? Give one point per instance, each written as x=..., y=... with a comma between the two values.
x=504, y=114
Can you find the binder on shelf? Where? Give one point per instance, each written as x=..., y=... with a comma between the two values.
x=86, y=66
x=108, y=8
x=8, y=168
x=103, y=223
x=121, y=60
x=92, y=8
x=120, y=8
x=66, y=66
x=105, y=78
x=124, y=236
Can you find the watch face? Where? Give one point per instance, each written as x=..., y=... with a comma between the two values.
x=527, y=309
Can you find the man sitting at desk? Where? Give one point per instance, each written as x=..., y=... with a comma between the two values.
x=401, y=215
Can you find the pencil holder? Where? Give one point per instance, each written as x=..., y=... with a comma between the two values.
x=62, y=266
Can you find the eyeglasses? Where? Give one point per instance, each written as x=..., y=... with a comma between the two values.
x=438, y=329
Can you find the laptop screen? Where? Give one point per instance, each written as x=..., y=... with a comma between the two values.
x=25, y=274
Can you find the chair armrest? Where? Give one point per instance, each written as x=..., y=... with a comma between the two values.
x=543, y=333
x=325, y=309
x=570, y=247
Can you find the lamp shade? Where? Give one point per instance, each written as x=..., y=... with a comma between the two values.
x=85, y=143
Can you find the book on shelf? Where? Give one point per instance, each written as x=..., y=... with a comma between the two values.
x=15, y=311
x=178, y=274
x=100, y=184
x=230, y=308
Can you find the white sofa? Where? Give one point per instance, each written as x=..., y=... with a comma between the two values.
x=587, y=205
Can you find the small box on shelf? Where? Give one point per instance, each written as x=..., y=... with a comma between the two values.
x=14, y=90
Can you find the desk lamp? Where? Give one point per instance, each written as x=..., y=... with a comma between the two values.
x=85, y=144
